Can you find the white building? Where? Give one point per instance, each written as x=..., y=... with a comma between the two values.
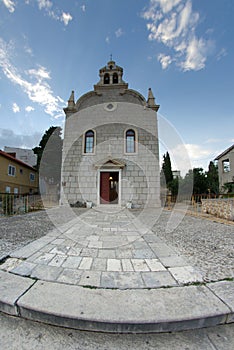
x=226, y=167
x=110, y=148
x=25, y=155
x=176, y=174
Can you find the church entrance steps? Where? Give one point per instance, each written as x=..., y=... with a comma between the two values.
x=120, y=311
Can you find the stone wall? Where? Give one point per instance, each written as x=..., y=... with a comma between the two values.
x=222, y=208
x=80, y=174
x=140, y=177
x=110, y=95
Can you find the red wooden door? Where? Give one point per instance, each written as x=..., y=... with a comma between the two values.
x=104, y=187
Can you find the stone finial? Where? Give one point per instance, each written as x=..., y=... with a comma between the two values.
x=151, y=101
x=71, y=107
x=71, y=101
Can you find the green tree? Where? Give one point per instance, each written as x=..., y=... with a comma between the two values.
x=174, y=186
x=39, y=150
x=166, y=168
x=228, y=187
x=194, y=182
x=199, y=181
x=186, y=184
x=166, y=176
x=49, y=155
x=197, y=178
x=213, y=178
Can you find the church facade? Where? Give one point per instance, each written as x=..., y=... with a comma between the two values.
x=110, y=149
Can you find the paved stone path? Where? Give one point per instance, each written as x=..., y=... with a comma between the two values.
x=107, y=270
x=104, y=250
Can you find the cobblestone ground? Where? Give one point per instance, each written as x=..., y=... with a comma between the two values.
x=206, y=244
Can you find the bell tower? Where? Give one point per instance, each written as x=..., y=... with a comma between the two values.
x=111, y=76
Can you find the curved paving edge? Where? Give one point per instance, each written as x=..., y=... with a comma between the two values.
x=125, y=311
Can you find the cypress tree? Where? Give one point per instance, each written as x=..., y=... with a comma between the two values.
x=166, y=168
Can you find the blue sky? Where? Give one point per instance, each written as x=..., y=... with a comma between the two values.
x=182, y=49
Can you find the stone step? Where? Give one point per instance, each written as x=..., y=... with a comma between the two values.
x=125, y=311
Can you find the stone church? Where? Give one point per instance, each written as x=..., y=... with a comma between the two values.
x=110, y=150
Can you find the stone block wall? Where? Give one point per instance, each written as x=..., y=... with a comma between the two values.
x=140, y=177
x=220, y=207
x=80, y=180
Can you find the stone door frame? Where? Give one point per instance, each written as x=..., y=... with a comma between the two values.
x=105, y=170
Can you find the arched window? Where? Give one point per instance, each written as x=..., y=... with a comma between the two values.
x=106, y=79
x=130, y=141
x=89, y=142
x=115, y=78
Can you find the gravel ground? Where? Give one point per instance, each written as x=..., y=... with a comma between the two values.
x=204, y=243
x=19, y=230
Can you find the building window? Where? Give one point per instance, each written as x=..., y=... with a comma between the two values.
x=226, y=166
x=21, y=171
x=16, y=191
x=8, y=189
x=89, y=142
x=115, y=78
x=106, y=79
x=32, y=177
x=130, y=141
x=11, y=170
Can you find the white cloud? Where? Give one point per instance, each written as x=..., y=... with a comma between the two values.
x=40, y=73
x=168, y=5
x=213, y=140
x=44, y=4
x=9, y=138
x=83, y=8
x=10, y=5
x=164, y=60
x=107, y=40
x=28, y=50
x=173, y=23
x=34, y=84
x=197, y=152
x=199, y=156
x=15, y=108
x=29, y=109
x=65, y=18
x=222, y=53
x=56, y=14
x=195, y=55
x=119, y=32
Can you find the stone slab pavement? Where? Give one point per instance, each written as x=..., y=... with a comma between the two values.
x=108, y=272
x=104, y=250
